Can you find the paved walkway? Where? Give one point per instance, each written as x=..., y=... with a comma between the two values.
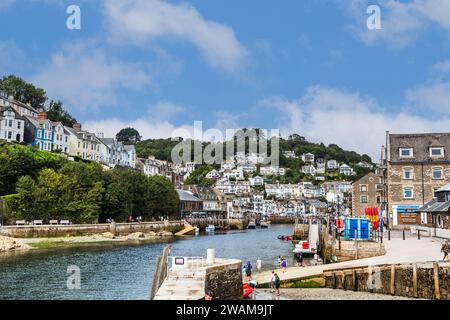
x=397, y=251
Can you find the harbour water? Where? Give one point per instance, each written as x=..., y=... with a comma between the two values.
x=121, y=272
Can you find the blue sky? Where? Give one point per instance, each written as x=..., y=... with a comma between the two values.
x=310, y=67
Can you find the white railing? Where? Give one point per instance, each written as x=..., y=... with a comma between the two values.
x=186, y=267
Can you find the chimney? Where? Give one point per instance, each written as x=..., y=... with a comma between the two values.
x=42, y=116
x=77, y=126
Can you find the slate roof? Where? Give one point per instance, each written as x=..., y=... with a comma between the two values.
x=435, y=206
x=420, y=142
x=187, y=196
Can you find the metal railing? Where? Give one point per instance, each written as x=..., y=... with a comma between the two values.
x=185, y=267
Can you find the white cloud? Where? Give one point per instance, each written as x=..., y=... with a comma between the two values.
x=86, y=77
x=402, y=21
x=164, y=110
x=348, y=119
x=141, y=21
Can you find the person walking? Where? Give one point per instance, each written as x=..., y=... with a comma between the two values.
x=258, y=264
x=445, y=249
x=248, y=270
x=277, y=284
x=272, y=282
x=284, y=265
x=279, y=261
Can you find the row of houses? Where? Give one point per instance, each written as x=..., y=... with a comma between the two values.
x=212, y=202
x=411, y=186
x=22, y=123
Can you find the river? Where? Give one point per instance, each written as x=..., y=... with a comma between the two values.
x=124, y=271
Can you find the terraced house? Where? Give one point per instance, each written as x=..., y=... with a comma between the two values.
x=417, y=166
x=39, y=132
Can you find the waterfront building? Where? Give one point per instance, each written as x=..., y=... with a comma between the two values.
x=418, y=165
x=12, y=125
x=189, y=203
x=436, y=213
x=366, y=193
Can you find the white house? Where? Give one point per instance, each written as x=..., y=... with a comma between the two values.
x=61, y=138
x=247, y=167
x=213, y=174
x=320, y=168
x=310, y=169
x=227, y=165
x=129, y=156
x=258, y=200
x=256, y=181
x=308, y=157
x=346, y=170
x=332, y=165
x=289, y=154
x=12, y=125
x=234, y=174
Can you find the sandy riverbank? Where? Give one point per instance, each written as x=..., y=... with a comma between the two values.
x=8, y=244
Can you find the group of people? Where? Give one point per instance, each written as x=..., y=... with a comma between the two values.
x=282, y=263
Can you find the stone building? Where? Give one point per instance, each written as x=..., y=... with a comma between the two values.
x=366, y=194
x=417, y=166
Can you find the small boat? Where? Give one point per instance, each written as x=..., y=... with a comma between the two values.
x=286, y=238
x=197, y=231
x=305, y=248
x=210, y=228
x=247, y=290
x=264, y=225
x=252, y=225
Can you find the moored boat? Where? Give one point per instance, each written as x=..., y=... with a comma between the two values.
x=252, y=224
x=210, y=228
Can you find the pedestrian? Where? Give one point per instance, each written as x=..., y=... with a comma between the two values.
x=258, y=265
x=277, y=284
x=248, y=270
x=279, y=261
x=272, y=282
x=284, y=265
x=445, y=249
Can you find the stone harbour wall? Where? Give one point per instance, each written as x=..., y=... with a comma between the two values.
x=47, y=231
x=224, y=282
x=420, y=281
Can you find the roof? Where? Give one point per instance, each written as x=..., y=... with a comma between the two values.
x=187, y=196
x=420, y=142
x=129, y=147
x=435, y=206
x=444, y=188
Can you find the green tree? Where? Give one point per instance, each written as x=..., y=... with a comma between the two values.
x=128, y=136
x=164, y=199
x=56, y=112
x=23, y=91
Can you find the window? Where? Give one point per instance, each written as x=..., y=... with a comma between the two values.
x=436, y=151
x=19, y=125
x=378, y=199
x=9, y=135
x=406, y=152
x=10, y=123
x=364, y=199
x=408, y=173
x=434, y=192
x=408, y=193
x=363, y=188
x=437, y=173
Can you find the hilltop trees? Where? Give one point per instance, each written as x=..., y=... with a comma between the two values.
x=23, y=91
x=128, y=136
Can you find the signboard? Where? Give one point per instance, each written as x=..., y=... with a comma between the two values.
x=408, y=218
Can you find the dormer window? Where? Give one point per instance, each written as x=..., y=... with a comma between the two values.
x=406, y=152
x=436, y=151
